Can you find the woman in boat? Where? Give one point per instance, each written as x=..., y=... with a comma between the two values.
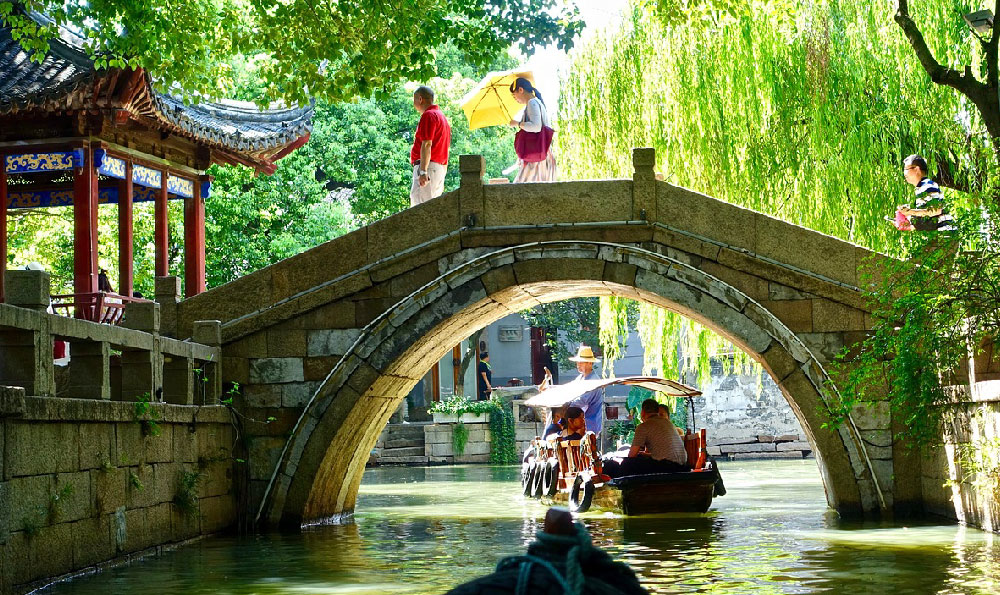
x=660, y=437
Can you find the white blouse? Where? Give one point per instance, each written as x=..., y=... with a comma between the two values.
x=535, y=116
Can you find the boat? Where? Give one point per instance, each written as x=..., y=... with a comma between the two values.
x=571, y=471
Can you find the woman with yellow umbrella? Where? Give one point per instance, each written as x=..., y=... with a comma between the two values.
x=495, y=101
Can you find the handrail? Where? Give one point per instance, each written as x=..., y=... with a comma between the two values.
x=102, y=306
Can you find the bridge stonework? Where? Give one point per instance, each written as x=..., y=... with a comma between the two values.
x=330, y=341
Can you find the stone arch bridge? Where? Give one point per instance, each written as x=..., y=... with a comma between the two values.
x=330, y=341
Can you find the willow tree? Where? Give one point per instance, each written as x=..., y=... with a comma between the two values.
x=799, y=109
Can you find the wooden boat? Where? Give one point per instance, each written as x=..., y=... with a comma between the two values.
x=571, y=471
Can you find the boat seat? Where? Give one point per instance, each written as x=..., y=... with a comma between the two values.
x=693, y=443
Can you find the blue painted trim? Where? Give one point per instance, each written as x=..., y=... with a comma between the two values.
x=113, y=167
x=62, y=198
x=206, y=189
x=28, y=163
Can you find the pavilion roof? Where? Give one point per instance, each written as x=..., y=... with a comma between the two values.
x=66, y=81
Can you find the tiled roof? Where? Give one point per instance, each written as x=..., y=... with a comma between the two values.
x=67, y=80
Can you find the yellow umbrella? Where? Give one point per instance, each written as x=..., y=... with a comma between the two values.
x=491, y=102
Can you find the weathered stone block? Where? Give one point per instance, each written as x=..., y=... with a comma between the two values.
x=703, y=215
x=185, y=449
x=92, y=541
x=575, y=202
x=262, y=395
x=829, y=316
x=97, y=445
x=276, y=370
x=298, y=394
x=110, y=489
x=806, y=249
x=26, y=503
x=339, y=314
x=745, y=448
x=207, y=332
x=27, y=289
x=785, y=446
x=159, y=448
x=216, y=478
x=140, y=489
x=797, y=315
x=264, y=455
x=185, y=525
x=50, y=551
x=39, y=448
x=286, y=343
x=872, y=416
x=71, y=498
x=331, y=341
x=142, y=316
x=217, y=513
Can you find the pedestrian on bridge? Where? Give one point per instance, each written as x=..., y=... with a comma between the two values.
x=533, y=142
x=431, y=143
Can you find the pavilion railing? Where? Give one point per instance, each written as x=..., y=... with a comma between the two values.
x=132, y=360
x=101, y=306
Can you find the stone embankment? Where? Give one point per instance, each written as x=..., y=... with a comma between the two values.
x=789, y=446
x=86, y=481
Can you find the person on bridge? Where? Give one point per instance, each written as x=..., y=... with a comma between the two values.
x=930, y=211
x=592, y=402
x=431, y=143
x=659, y=437
x=533, y=142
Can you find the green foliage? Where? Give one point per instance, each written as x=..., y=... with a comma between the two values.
x=147, y=415
x=613, y=331
x=503, y=444
x=186, y=498
x=460, y=405
x=333, y=51
x=569, y=323
x=621, y=431
x=459, y=437
x=928, y=313
x=800, y=110
x=134, y=481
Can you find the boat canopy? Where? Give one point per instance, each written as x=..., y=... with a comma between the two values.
x=561, y=394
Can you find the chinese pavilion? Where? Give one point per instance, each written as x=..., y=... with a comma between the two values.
x=73, y=135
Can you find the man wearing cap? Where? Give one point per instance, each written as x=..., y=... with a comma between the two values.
x=592, y=402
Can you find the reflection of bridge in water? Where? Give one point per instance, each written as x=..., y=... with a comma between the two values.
x=331, y=340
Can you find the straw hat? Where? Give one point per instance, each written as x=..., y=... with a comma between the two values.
x=585, y=354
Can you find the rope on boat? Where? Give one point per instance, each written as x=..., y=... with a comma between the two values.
x=578, y=547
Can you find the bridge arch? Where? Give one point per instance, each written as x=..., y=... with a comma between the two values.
x=320, y=468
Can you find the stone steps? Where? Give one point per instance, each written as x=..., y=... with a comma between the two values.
x=413, y=451
x=419, y=460
x=397, y=442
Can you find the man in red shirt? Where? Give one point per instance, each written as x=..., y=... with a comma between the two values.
x=429, y=155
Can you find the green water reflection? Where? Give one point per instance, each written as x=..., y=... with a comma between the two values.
x=423, y=530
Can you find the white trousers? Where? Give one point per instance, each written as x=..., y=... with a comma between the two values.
x=434, y=186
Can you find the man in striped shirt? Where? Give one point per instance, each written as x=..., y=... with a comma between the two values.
x=929, y=212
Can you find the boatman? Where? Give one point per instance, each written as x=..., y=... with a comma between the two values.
x=591, y=402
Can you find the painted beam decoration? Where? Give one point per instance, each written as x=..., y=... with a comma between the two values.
x=27, y=163
x=180, y=186
x=146, y=176
x=113, y=167
x=64, y=198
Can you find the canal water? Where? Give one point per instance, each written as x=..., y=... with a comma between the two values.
x=423, y=530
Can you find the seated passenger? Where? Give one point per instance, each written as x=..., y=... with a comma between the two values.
x=554, y=426
x=660, y=437
x=575, y=424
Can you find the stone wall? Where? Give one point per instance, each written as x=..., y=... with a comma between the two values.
x=83, y=482
x=961, y=475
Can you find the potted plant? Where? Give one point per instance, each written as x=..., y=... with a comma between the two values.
x=461, y=410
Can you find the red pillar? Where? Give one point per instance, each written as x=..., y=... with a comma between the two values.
x=3, y=223
x=160, y=230
x=85, y=227
x=194, y=243
x=125, y=231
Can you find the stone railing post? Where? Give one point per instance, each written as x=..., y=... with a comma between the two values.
x=26, y=353
x=168, y=295
x=89, y=370
x=140, y=368
x=209, y=332
x=644, y=184
x=471, y=205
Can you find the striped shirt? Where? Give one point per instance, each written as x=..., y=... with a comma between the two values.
x=929, y=197
x=660, y=436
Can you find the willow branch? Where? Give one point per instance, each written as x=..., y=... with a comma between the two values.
x=991, y=54
x=965, y=82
